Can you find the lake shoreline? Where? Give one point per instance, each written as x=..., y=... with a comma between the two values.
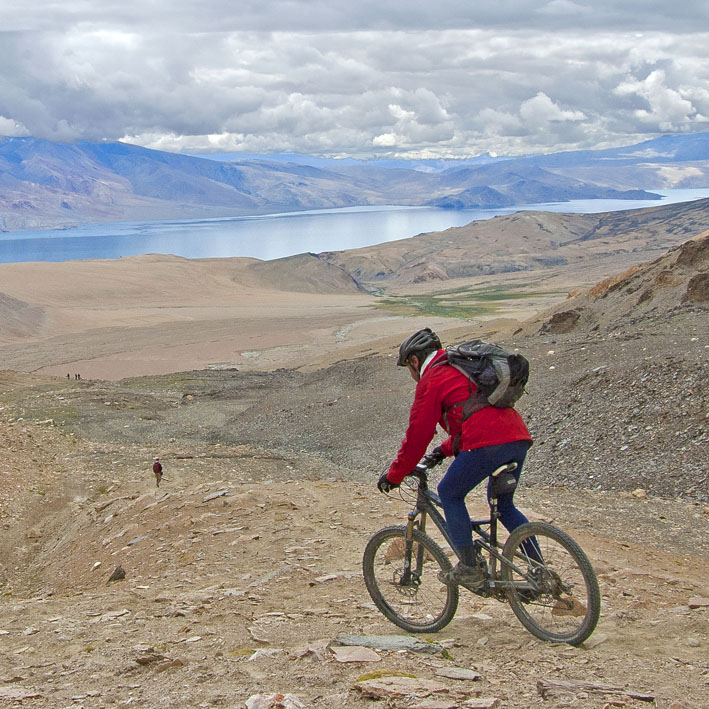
x=272, y=236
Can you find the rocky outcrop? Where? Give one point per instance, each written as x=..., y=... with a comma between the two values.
x=679, y=279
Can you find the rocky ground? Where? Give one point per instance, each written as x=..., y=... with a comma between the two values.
x=240, y=581
x=611, y=410
x=242, y=571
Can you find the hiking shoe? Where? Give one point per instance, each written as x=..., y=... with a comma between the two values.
x=472, y=577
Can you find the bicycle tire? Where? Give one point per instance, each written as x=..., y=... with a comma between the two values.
x=424, y=604
x=567, y=607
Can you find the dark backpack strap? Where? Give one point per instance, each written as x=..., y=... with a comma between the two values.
x=474, y=403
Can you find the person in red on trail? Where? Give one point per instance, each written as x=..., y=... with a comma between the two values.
x=491, y=437
x=157, y=469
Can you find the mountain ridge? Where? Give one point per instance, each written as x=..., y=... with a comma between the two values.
x=53, y=185
x=522, y=242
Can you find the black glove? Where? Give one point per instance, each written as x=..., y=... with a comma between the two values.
x=385, y=485
x=435, y=457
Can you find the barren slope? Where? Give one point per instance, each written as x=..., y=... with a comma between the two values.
x=651, y=291
x=243, y=570
x=150, y=314
x=527, y=241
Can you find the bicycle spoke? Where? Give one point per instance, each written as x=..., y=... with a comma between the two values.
x=415, y=599
x=555, y=593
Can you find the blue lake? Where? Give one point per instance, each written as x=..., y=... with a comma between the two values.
x=276, y=235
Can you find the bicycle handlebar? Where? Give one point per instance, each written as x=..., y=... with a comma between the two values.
x=431, y=461
x=421, y=470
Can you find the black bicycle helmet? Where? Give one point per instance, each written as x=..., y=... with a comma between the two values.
x=422, y=341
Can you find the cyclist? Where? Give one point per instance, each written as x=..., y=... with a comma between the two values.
x=491, y=437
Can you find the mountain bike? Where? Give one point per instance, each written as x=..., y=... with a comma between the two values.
x=539, y=570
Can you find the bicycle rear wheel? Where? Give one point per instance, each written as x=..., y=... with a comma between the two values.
x=557, y=600
x=409, y=594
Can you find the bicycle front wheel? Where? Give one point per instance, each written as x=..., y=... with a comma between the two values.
x=403, y=580
x=553, y=591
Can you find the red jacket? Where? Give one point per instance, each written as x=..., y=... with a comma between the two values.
x=440, y=387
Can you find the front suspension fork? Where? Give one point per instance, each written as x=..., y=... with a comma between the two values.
x=411, y=574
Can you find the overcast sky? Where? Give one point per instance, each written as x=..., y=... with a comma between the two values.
x=362, y=78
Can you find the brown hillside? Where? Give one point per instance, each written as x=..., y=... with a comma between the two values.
x=678, y=279
x=18, y=318
x=526, y=241
x=302, y=273
x=243, y=570
x=147, y=314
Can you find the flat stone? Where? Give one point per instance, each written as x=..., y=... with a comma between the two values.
x=135, y=540
x=326, y=578
x=316, y=649
x=383, y=687
x=111, y=615
x=595, y=640
x=481, y=616
x=260, y=654
x=698, y=602
x=355, y=653
x=18, y=693
x=170, y=665
x=149, y=657
x=459, y=673
x=390, y=642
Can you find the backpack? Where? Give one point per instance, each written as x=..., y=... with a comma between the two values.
x=500, y=376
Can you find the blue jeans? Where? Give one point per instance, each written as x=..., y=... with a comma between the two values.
x=467, y=471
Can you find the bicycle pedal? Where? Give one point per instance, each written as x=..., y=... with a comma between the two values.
x=478, y=587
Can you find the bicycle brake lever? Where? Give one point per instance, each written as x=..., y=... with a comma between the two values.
x=429, y=462
x=420, y=472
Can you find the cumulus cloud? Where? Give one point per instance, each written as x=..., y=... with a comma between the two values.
x=667, y=107
x=327, y=77
x=540, y=111
x=11, y=128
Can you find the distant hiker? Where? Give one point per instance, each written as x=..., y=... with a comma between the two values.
x=157, y=469
x=489, y=438
x=67, y=376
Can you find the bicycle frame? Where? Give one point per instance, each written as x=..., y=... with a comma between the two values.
x=427, y=505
